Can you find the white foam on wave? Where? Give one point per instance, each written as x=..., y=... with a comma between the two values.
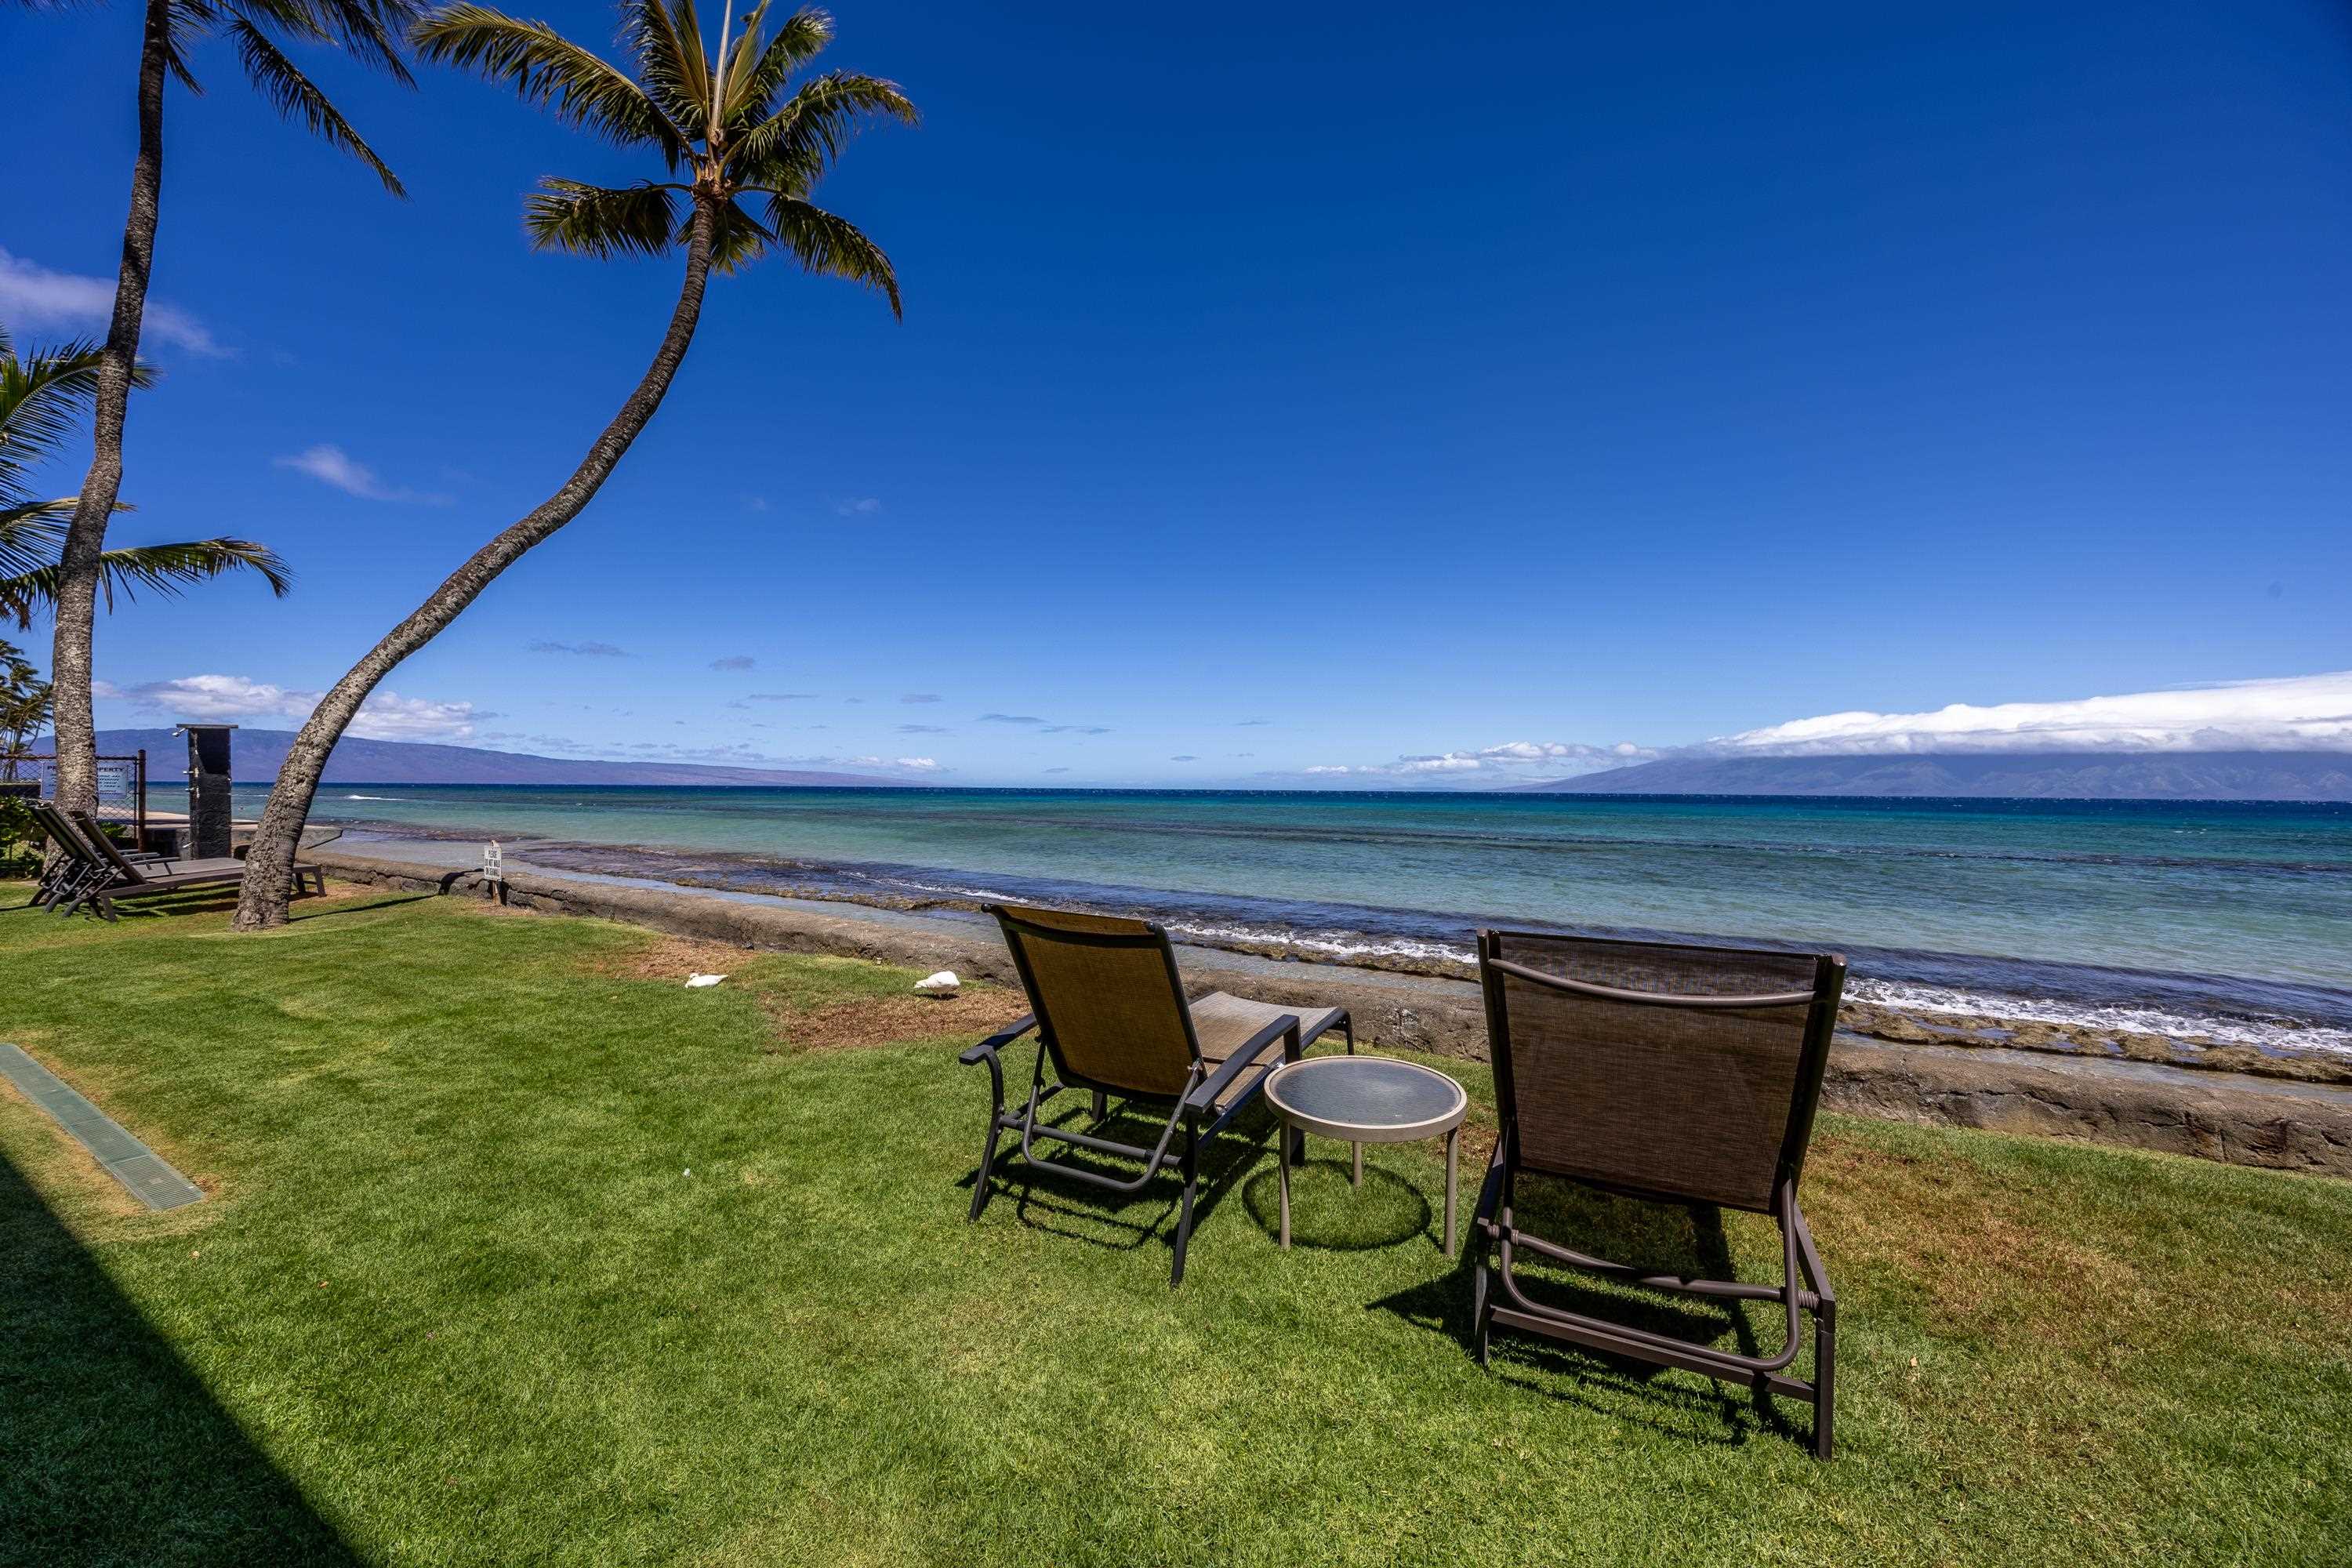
x=1324, y=942
x=2094, y=1018
x=374, y=797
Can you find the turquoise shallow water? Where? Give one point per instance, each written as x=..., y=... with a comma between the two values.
x=2236, y=917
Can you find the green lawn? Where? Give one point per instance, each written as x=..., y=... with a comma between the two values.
x=456, y=1299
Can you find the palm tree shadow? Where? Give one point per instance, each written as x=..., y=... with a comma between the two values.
x=115, y=1450
x=300, y=914
x=1666, y=1238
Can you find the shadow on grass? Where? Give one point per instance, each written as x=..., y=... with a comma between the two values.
x=112, y=1449
x=299, y=913
x=1097, y=1217
x=1327, y=1213
x=222, y=900
x=1666, y=1239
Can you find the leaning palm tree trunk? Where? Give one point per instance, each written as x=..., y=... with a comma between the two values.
x=70, y=659
x=270, y=863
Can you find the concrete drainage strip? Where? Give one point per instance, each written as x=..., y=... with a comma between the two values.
x=126, y=1159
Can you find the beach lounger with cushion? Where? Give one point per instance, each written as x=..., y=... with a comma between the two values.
x=1679, y=1074
x=129, y=880
x=1109, y=1012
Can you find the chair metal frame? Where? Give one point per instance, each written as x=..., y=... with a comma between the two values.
x=1193, y=1111
x=1804, y=1289
x=75, y=867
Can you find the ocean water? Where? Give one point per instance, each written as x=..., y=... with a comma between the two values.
x=2228, y=921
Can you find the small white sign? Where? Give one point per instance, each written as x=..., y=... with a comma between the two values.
x=493, y=862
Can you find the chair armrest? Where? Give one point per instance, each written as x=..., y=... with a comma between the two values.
x=1482, y=1217
x=1808, y=1257
x=1204, y=1095
x=999, y=1040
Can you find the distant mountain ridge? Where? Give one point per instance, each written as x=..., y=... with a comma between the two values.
x=2090, y=775
x=255, y=756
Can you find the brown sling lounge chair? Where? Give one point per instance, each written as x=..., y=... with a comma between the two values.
x=1676, y=1074
x=131, y=881
x=1109, y=1011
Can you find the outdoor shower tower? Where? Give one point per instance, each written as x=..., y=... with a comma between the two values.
x=208, y=781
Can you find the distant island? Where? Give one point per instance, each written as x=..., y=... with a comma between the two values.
x=258, y=754
x=2050, y=775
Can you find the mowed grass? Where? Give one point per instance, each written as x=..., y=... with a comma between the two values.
x=456, y=1299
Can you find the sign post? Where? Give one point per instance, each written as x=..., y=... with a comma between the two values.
x=494, y=871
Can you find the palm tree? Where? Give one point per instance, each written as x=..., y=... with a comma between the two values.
x=367, y=30
x=23, y=708
x=42, y=396
x=726, y=131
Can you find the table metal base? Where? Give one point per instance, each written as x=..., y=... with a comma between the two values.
x=1453, y=1167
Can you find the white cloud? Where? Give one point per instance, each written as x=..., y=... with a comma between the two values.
x=1513, y=762
x=861, y=506
x=2304, y=712
x=222, y=696
x=33, y=296
x=331, y=464
x=580, y=649
x=386, y=716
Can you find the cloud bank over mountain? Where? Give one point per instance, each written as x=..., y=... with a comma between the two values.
x=2303, y=713
x=2298, y=713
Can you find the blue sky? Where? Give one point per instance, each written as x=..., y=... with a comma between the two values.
x=1335, y=386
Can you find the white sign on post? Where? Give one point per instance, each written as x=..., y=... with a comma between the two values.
x=494, y=868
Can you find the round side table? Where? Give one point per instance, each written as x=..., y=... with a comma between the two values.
x=1367, y=1100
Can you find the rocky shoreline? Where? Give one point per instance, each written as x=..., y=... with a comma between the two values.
x=1968, y=1075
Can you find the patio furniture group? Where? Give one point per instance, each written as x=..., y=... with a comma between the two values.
x=1662, y=1072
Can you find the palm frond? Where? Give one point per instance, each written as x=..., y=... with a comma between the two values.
x=545, y=67
x=190, y=22
x=164, y=569
x=801, y=37
x=595, y=220
x=825, y=243
x=792, y=148
x=668, y=37
x=650, y=37
x=738, y=52
x=296, y=96
x=33, y=534
x=369, y=30
x=43, y=396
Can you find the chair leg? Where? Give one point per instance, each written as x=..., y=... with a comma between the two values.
x=1190, y=1166
x=1478, y=1299
x=987, y=1164
x=1824, y=1379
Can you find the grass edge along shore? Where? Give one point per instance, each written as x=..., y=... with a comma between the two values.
x=516, y=1249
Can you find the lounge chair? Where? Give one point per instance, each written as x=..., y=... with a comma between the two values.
x=72, y=863
x=129, y=880
x=1109, y=1011
x=1678, y=1074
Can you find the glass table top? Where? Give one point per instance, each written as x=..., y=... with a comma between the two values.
x=1371, y=1093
